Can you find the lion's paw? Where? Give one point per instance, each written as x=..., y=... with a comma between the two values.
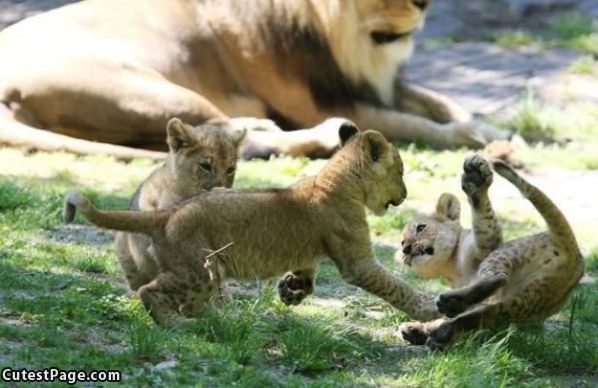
x=414, y=333
x=477, y=175
x=293, y=289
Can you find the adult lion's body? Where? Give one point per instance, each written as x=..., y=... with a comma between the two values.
x=115, y=71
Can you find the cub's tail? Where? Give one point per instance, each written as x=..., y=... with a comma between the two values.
x=557, y=223
x=127, y=221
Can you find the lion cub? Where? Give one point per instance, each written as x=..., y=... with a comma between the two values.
x=199, y=158
x=262, y=234
x=523, y=280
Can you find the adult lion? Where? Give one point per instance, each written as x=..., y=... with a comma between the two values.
x=114, y=71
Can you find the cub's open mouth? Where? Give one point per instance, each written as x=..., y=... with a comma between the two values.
x=382, y=37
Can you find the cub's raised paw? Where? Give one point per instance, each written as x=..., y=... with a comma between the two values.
x=293, y=289
x=414, y=333
x=477, y=175
x=450, y=305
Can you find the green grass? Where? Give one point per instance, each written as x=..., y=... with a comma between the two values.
x=532, y=122
x=585, y=65
x=573, y=30
x=576, y=31
x=514, y=39
x=63, y=302
x=572, y=126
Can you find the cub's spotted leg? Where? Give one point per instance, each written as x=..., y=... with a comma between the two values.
x=492, y=274
x=131, y=252
x=163, y=296
x=171, y=294
x=127, y=262
x=535, y=302
x=475, y=181
x=355, y=261
x=296, y=286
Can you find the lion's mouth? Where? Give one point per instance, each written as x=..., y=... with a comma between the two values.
x=409, y=256
x=390, y=203
x=383, y=37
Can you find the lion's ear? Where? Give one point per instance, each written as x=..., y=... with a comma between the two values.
x=375, y=145
x=177, y=135
x=448, y=207
x=347, y=131
x=238, y=136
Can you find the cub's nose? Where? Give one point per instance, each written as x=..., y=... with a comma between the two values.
x=407, y=249
x=421, y=4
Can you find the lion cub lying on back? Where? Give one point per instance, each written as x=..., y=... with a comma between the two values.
x=261, y=234
x=523, y=280
x=199, y=158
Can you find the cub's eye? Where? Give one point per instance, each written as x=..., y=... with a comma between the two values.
x=231, y=171
x=429, y=251
x=420, y=228
x=206, y=166
x=381, y=37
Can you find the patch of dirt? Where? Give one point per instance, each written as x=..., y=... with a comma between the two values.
x=570, y=190
x=7, y=348
x=81, y=234
x=97, y=337
x=575, y=381
x=475, y=20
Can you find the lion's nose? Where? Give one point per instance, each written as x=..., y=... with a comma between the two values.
x=407, y=249
x=421, y=4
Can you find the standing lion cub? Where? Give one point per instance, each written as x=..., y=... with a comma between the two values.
x=262, y=234
x=524, y=280
x=199, y=158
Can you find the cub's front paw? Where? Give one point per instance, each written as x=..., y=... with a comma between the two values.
x=414, y=333
x=477, y=175
x=293, y=289
x=450, y=305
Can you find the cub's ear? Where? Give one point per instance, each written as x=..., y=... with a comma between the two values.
x=177, y=135
x=238, y=136
x=448, y=207
x=347, y=131
x=375, y=145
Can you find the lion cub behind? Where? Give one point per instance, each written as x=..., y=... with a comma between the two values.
x=199, y=158
x=496, y=283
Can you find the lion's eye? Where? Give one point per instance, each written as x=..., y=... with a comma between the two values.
x=420, y=228
x=206, y=166
x=231, y=171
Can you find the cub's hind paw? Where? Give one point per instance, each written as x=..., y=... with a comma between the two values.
x=414, y=333
x=441, y=337
x=477, y=175
x=293, y=289
x=450, y=305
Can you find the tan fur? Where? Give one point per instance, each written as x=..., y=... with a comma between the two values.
x=200, y=158
x=115, y=70
x=524, y=280
x=248, y=235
